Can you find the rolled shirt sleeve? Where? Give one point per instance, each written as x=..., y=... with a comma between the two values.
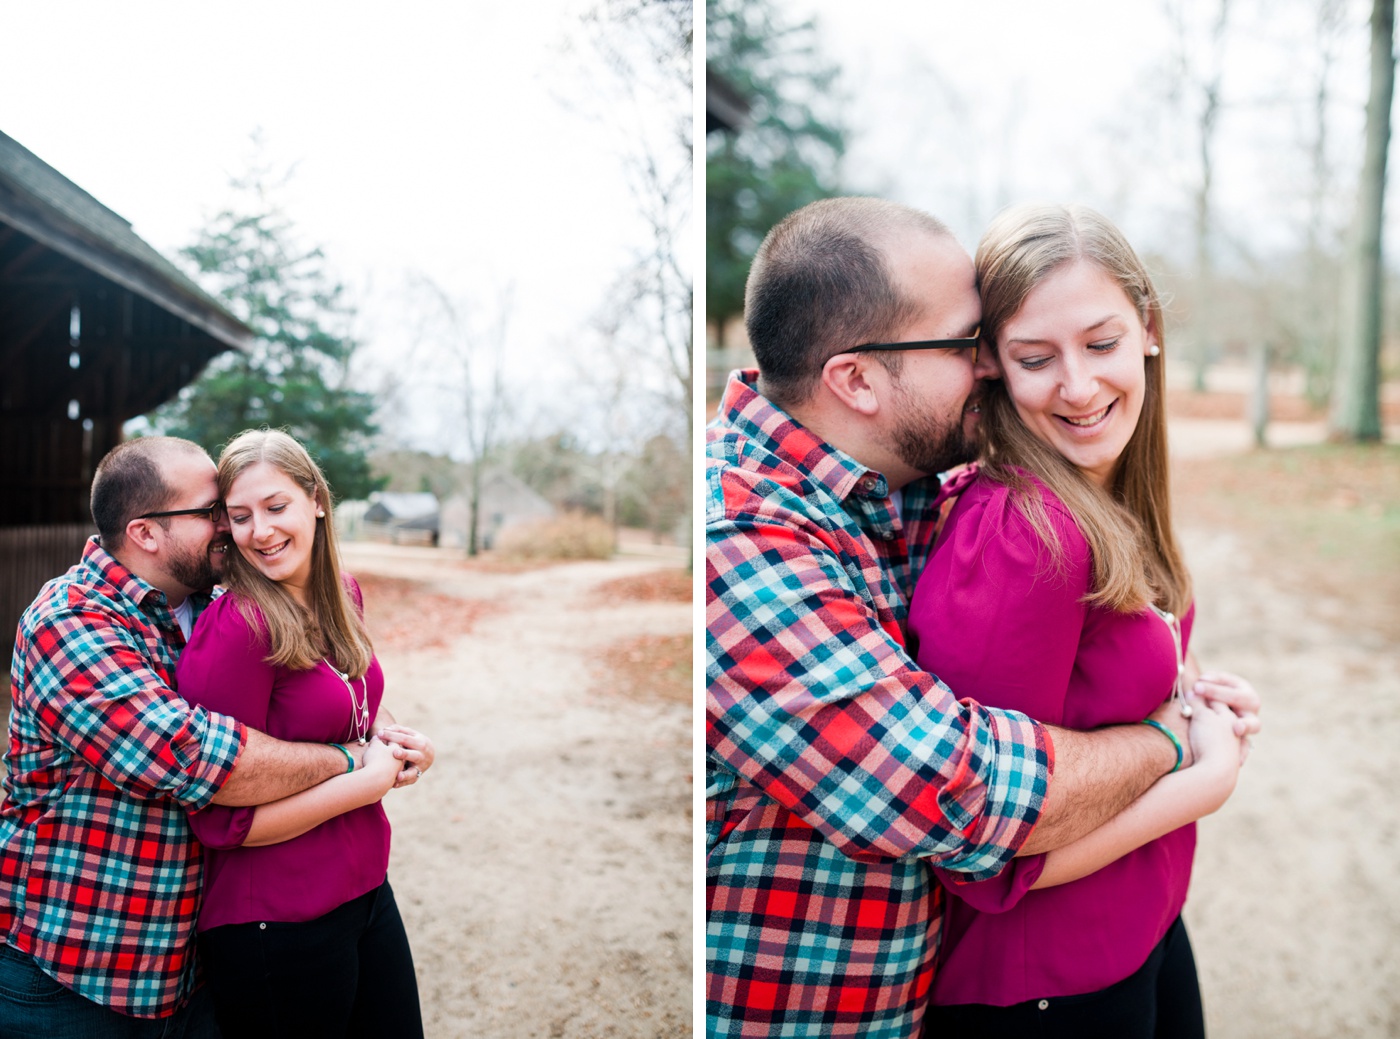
x=224, y=669
x=103, y=702
x=813, y=700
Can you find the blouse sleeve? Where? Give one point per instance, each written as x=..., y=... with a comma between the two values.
x=222, y=668
x=997, y=620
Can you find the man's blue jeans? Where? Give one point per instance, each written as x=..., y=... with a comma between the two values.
x=34, y=1006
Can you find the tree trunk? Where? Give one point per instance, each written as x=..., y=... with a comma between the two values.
x=474, y=511
x=1355, y=413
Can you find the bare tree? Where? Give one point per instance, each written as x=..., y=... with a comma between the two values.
x=645, y=46
x=627, y=406
x=1355, y=412
x=473, y=340
x=1200, y=72
x=1317, y=334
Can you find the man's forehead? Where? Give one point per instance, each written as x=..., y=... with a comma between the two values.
x=189, y=470
x=936, y=272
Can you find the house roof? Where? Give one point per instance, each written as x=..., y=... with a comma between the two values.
x=404, y=506
x=48, y=207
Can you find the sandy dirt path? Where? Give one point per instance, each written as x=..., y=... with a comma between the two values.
x=1295, y=903
x=544, y=864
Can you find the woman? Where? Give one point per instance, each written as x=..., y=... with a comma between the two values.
x=1057, y=588
x=298, y=930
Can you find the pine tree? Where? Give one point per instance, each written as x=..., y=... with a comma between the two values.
x=295, y=375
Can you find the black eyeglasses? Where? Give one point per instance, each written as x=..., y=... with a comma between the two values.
x=215, y=513
x=967, y=343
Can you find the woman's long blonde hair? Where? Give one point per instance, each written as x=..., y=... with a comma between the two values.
x=329, y=626
x=1127, y=523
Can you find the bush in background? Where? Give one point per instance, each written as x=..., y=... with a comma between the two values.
x=573, y=535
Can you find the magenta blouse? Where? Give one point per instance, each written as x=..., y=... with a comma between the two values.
x=223, y=669
x=992, y=620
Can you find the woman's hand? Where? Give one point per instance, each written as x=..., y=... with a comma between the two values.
x=1235, y=693
x=381, y=764
x=414, y=751
x=1219, y=751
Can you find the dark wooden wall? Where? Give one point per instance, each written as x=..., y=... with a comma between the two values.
x=65, y=396
x=67, y=385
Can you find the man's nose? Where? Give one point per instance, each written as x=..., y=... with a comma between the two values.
x=984, y=363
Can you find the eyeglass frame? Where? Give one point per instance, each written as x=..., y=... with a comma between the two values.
x=972, y=343
x=212, y=511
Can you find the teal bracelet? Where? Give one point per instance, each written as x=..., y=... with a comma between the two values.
x=350, y=758
x=1180, y=750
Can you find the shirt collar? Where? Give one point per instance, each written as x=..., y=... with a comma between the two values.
x=747, y=411
x=111, y=572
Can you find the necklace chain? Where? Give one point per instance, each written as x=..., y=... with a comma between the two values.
x=1179, y=684
x=359, y=708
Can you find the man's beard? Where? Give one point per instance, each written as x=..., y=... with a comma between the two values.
x=195, y=570
x=926, y=444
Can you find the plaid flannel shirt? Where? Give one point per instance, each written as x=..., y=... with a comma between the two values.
x=836, y=770
x=99, y=872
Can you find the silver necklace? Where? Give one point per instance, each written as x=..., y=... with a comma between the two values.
x=359, y=709
x=1178, y=686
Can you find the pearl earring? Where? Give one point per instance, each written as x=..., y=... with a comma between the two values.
x=320, y=514
x=1153, y=350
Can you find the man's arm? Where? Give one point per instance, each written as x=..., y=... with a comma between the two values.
x=1171, y=802
x=813, y=701
x=270, y=769
x=1098, y=774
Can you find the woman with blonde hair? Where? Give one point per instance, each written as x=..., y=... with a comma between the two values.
x=1057, y=588
x=298, y=931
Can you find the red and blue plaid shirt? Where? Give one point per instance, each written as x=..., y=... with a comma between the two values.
x=99, y=872
x=836, y=769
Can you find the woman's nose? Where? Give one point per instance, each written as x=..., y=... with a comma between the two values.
x=1077, y=385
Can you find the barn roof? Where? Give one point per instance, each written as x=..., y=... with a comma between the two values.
x=43, y=204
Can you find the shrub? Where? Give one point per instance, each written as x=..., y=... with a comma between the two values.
x=572, y=535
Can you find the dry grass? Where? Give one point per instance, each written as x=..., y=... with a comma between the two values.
x=1321, y=519
x=571, y=536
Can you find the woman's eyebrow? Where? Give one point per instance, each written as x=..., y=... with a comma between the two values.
x=1084, y=331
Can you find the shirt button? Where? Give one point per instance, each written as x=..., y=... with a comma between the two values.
x=1044, y=1004
x=262, y=927
x=868, y=483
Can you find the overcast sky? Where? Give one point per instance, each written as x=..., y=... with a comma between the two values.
x=455, y=139
x=963, y=107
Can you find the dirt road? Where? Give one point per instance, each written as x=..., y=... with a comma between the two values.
x=544, y=863
x=1294, y=906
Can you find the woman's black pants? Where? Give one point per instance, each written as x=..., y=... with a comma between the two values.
x=1161, y=1000
x=347, y=973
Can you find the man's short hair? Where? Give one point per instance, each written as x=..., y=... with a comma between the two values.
x=129, y=483
x=820, y=284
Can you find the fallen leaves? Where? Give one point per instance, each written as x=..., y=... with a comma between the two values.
x=664, y=585
x=650, y=667
x=404, y=615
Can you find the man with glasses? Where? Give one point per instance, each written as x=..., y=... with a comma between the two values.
x=836, y=770
x=99, y=873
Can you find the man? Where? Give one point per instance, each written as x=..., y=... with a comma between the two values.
x=836, y=769
x=99, y=873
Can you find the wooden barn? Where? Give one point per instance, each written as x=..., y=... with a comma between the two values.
x=96, y=327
